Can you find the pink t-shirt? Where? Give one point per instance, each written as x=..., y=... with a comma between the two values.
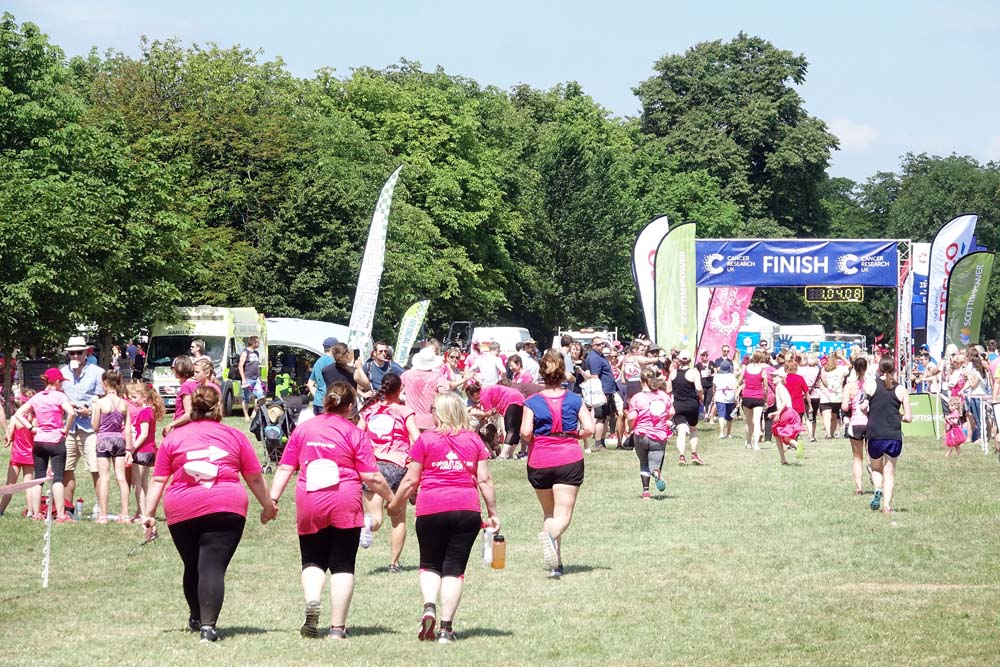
x=421, y=388
x=188, y=388
x=47, y=408
x=386, y=426
x=448, y=481
x=22, y=443
x=330, y=437
x=810, y=374
x=498, y=397
x=140, y=416
x=651, y=411
x=207, y=444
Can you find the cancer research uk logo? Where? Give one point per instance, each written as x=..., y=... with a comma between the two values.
x=849, y=263
x=716, y=263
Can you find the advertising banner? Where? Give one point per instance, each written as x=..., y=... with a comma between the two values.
x=409, y=327
x=921, y=269
x=967, y=287
x=370, y=276
x=726, y=312
x=795, y=263
x=644, y=268
x=952, y=242
x=676, y=298
x=927, y=418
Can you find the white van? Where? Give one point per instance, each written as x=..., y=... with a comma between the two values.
x=508, y=337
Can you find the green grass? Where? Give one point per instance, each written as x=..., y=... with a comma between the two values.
x=742, y=562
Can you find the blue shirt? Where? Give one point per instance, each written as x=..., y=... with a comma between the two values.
x=317, y=377
x=375, y=372
x=600, y=368
x=82, y=391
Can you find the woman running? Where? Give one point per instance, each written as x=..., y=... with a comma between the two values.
x=885, y=432
x=810, y=373
x=685, y=385
x=855, y=406
x=392, y=428
x=649, y=414
x=554, y=422
x=333, y=457
x=449, y=464
x=832, y=377
x=787, y=423
x=205, y=503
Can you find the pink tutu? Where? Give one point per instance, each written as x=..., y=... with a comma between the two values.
x=788, y=425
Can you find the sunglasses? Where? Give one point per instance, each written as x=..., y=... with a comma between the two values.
x=76, y=354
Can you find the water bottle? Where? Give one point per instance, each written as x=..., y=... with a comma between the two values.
x=499, y=552
x=78, y=510
x=487, y=547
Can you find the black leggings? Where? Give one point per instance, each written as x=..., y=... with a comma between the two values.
x=512, y=424
x=331, y=549
x=206, y=545
x=446, y=540
x=43, y=452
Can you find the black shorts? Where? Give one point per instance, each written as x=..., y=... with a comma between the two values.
x=609, y=410
x=686, y=415
x=823, y=407
x=570, y=474
x=446, y=540
x=813, y=408
x=112, y=447
x=750, y=402
x=332, y=550
x=852, y=432
x=144, y=458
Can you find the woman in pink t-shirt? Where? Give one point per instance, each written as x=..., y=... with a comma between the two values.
x=554, y=422
x=392, y=428
x=192, y=374
x=48, y=407
x=499, y=399
x=205, y=503
x=449, y=464
x=333, y=457
x=649, y=417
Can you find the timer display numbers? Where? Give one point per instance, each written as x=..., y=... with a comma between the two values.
x=835, y=294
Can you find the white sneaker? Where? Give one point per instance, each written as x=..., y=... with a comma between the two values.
x=367, y=536
x=549, y=552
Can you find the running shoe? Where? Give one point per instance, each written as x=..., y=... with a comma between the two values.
x=447, y=636
x=549, y=552
x=695, y=459
x=310, y=629
x=876, y=500
x=367, y=536
x=338, y=633
x=681, y=461
x=556, y=572
x=521, y=455
x=661, y=486
x=208, y=634
x=645, y=495
x=800, y=449
x=194, y=624
x=427, y=623
x=395, y=568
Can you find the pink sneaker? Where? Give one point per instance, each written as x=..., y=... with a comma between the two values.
x=681, y=461
x=695, y=459
x=645, y=495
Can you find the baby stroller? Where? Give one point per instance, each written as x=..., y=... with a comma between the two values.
x=273, y=423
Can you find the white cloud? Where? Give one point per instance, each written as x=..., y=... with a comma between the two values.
x=854, y=137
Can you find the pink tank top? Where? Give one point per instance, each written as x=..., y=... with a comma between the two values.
x=858, y=418
x=753, y=385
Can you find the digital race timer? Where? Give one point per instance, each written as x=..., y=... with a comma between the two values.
x=835, y=294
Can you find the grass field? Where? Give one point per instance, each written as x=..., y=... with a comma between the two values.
x=739, y=562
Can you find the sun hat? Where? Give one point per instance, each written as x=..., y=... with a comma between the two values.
x=53, y=375
x=425, y=359
x=76, y=344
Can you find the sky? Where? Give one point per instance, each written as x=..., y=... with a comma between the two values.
x=888, y=77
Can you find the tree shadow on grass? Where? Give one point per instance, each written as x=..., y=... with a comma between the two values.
x=483, y=632
x=362, y=630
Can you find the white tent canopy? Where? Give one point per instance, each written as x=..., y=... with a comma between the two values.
x=306, y=334
x=757, y=322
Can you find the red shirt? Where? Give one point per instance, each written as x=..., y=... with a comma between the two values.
x=798, y=390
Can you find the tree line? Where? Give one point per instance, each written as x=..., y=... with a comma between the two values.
x=205, y=174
